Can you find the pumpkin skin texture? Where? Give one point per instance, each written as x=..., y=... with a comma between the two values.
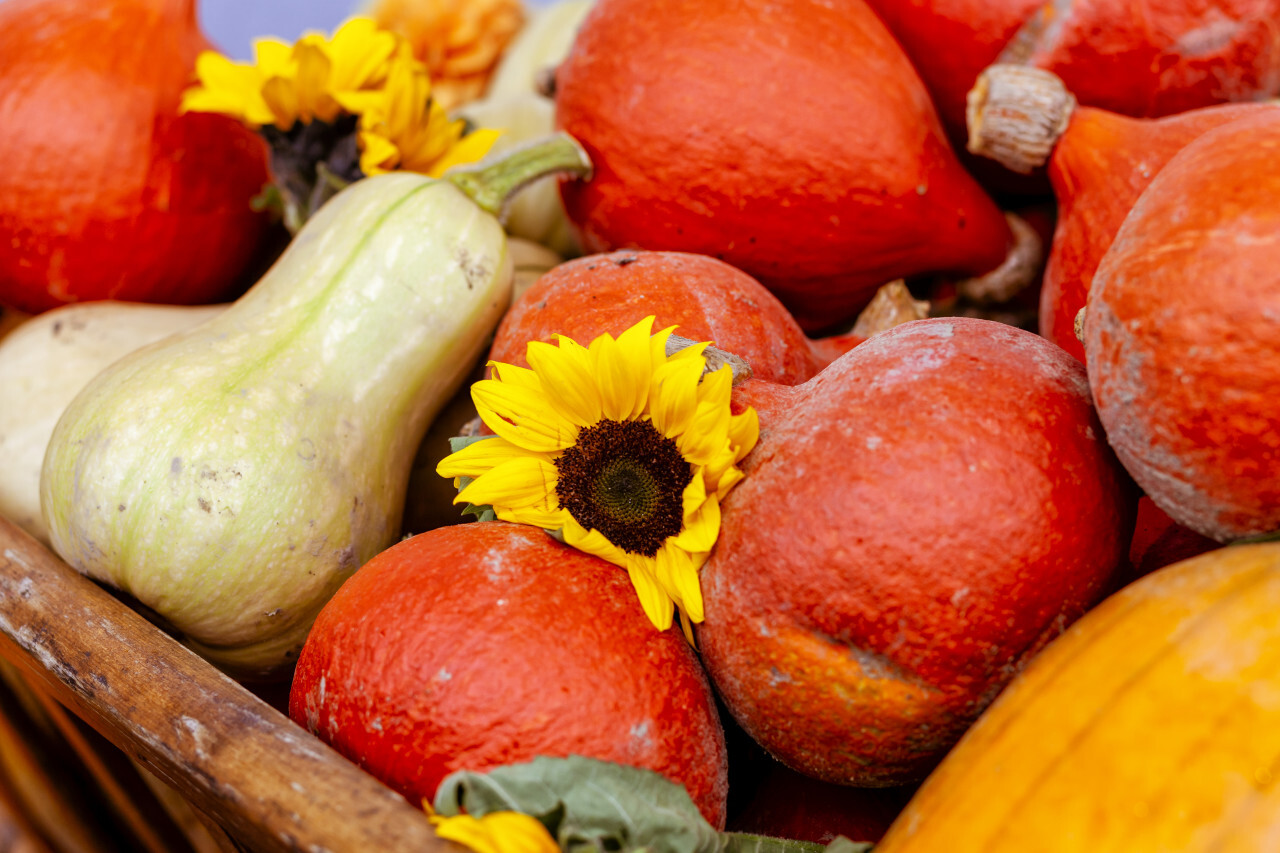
x=1150, y=725
x=108, y=193
x=951, y=41
x=1156, y=58
x=484, y=644
x=1181, y=329
x=790, y=139
x=1099, y=167
x=915, y=523
x=707, y=299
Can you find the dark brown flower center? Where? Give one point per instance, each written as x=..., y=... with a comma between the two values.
x=627, y=480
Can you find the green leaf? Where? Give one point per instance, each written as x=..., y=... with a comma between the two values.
x=741, y=842
x=588, y=805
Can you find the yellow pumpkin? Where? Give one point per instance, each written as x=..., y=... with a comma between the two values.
x=1152, y=724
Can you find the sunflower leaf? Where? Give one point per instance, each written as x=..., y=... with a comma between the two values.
x=588, y=805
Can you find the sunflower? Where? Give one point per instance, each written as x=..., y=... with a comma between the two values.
x=495, y=832
x=407, y=129
x=335, y=110
x=621, y=449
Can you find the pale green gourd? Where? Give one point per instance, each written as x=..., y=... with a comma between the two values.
x=231, y=477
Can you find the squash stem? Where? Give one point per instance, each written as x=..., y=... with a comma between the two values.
x=492, y=184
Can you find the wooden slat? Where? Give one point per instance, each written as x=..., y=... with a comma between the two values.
x=269, y=783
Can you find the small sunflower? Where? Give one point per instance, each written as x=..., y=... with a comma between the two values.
x=495, y=832
x=623, y=450
x=334, y=110
x=407, y=129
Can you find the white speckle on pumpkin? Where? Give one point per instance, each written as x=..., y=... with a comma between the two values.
x=444, y=675
x=874, y=441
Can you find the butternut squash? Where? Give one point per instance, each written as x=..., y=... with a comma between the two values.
x=231, y=477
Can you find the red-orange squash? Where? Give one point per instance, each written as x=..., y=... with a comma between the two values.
x=951, y=41
x=1155, y=58
x=1181, y=333
x=106, y=192
x=1099, y=163
x=915, y=523
x=484, y=644
x=1151, y=725
x=790, y=138
x=707, y=299
x=1151, y=59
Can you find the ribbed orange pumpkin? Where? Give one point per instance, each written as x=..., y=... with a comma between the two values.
x=106, y=192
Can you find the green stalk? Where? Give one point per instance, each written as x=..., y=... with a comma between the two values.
x=492, y=184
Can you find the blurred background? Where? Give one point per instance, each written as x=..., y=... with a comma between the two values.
x=232, y=25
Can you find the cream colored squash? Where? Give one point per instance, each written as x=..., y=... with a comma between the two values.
x=232, y=476
x=45, y=362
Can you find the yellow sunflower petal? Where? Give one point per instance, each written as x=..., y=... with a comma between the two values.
x=377, y=154
x=701, y=518
x=522, y=416
x=707, y=435
x=623, y=370
x=673, y=397
x=567, y=380
x=497, y=832
x=592, y=542
x=360, y=52
x=281, y=98
x=479, y=457
x=361, y=102
x=657, y=605
x=515, y=375
x=272, y=57
x=547, y=519
x=311, y=84
x=527, y=482
x=680, y=577
x=744, y=432
x=471, y=148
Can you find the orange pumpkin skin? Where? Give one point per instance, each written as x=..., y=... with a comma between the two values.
x=915, y=523
x=790, y=139
x=951, y=41
x=1159, y=57
x=108, y=193
x=1099, y=166
x=484, y=644
x=707, y=299
x=1181, y=329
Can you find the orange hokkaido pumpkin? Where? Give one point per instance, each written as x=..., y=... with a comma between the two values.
x=484, y=644
x=1099, y=162
x=915, y=523
x=707, y=299
x=790, y=138
x=106, y=192
x=1155, y=58
x=1151, y=725
x=1181, y=333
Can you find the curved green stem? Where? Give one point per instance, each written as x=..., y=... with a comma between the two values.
x=491, y=185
